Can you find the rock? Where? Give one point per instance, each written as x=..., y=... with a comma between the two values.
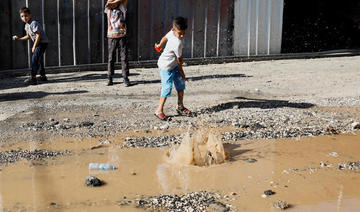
x=334, y=154
x=355, y=125
x=349, y=165
x=269, y=192
x=281, y=205
x=86, y=124
x=250, y=160
x=93, y=181
x=164, y=127
x=217, y=207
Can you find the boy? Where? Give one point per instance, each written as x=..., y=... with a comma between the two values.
x=116, y=33
x=34, y=31
x=170, y=67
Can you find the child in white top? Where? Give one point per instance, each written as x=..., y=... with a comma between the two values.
x=170, y=67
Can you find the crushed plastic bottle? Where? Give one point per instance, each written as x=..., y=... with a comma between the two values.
x=101, y=166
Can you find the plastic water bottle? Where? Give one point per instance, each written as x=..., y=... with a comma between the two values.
x=101, y=166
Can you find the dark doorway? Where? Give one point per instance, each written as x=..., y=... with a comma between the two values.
x=320, y=25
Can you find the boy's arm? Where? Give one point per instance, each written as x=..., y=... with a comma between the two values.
x=162, y=42
x=37, y=40
x=26, y=37
x=181, y=71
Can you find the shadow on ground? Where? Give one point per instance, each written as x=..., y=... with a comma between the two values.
x=19, y=82
x=33, y=95
x=234, y=150
x=215, y=76
x=257, y=103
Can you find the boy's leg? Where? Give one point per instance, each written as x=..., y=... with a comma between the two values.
x=160, y=108
x=180, y=87
x=180, y=98
x=167, y=78
x=124, y=60
x=112, y=45
x=34, y=67
x=41, y=62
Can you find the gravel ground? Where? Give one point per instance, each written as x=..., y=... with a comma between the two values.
x=196, y=201
x=261, y=100
x=11, y=156
x=258, y=100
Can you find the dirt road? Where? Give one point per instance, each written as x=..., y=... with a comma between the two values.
x=74, y=119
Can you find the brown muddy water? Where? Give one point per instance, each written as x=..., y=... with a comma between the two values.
x=291, y=168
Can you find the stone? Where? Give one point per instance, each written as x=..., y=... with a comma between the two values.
x=281, y=205
x=92, y=181
x=269, y=192
x=355, y=125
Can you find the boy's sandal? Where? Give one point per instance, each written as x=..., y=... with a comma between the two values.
x=183, y=111
x=161, y=116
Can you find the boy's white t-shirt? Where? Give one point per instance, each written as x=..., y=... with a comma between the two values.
x=174, y=46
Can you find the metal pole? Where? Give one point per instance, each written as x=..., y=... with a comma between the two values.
x=74, y=32
x=59, y=31
x=218, y=29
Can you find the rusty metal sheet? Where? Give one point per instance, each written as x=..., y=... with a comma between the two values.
x=51, y=28
x=5, y=36
x=66, y=32
x=20, y=56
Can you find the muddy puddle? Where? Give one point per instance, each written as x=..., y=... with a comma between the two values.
x=290, y=168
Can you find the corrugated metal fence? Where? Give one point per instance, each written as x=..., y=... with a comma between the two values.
x=76, y=29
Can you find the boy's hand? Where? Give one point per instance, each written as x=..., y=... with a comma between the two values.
x=33, y=49
x=182, y=75
x=157, y=47
x=15, y=37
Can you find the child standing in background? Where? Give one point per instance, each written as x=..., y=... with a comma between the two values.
x=34, y=31
x=116, y=33
x=170, y=67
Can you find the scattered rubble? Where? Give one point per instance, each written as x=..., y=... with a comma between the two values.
x=12, y=156
x=196, y=201
x=349, y=165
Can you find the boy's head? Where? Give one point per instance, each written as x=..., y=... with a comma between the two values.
x=179, y=27
x=113, y=6
x=25, y=14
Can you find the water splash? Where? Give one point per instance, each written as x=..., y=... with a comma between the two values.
x=205, y=148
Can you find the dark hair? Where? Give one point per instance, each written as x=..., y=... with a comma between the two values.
x=25, y=10
x=180, y=23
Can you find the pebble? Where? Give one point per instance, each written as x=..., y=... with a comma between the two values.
x=269, y=192
x=355, y=125
x=250, y=160
x=334, y=154
x=281, y=205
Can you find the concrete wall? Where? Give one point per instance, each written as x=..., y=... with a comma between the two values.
x=258, y=27
x=77, y=29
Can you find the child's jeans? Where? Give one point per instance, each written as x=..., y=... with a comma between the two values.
x=37, y=62
x=167, y=80
x=115, y=43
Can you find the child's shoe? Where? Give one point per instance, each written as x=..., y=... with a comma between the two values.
x=31, y=81
x=43, y=78
x=110, y=82
x=126, y=82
